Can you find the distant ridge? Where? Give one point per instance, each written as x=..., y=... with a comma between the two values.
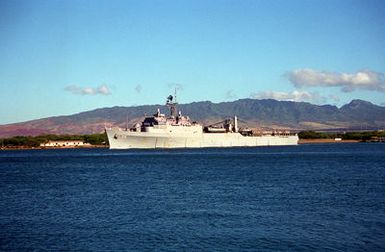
x=267, y=113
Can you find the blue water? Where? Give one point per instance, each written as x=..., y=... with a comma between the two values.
x=298, y=198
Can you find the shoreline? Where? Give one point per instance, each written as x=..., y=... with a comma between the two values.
x=321, y=140
x=301, y=141
x=53, y=148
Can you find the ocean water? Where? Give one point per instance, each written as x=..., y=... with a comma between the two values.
x=325, y=197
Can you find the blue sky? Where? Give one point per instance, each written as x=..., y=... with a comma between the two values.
x=65, y=57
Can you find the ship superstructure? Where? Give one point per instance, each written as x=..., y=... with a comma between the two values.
x=178, y=131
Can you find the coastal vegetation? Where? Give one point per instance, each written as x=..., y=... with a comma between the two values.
x=359, y=136
x=35, y=141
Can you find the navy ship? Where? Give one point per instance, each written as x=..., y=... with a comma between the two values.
x=178, y=131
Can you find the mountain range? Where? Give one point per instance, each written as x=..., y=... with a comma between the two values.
x=266, y=113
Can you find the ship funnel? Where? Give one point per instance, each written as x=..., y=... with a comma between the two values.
x=235, y=124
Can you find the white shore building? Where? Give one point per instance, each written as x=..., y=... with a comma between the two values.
x=69, y=143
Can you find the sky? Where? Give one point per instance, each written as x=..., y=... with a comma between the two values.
x=65, y=57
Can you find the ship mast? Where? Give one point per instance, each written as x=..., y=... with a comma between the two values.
x=171, y=104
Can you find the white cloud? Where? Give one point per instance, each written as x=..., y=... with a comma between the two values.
x=365, y=79
x=297, y=96
x=102, y=90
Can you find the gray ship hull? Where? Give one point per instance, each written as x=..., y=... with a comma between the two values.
x=189, y=138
